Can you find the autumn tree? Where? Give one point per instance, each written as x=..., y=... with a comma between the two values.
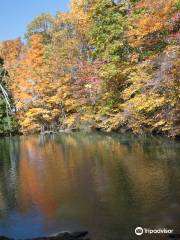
x=43, y=25
x=33, y=89
x=113, y=63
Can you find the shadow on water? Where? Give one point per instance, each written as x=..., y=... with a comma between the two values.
x=107, y=184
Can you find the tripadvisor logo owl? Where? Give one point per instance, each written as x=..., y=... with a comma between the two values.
x=139, y=231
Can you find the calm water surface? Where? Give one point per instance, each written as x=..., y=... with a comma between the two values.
x=106, y=184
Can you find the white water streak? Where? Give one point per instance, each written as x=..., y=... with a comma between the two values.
x=6, y=97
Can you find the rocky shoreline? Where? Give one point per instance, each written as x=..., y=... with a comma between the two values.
x=59, y=236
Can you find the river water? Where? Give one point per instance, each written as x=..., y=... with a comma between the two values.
x=107, y=184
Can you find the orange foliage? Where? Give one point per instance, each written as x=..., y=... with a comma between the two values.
x=155, y=20
x=34, y=57
x=10, y=50
x=32, y=88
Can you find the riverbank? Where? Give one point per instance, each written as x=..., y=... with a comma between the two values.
x=91, y=129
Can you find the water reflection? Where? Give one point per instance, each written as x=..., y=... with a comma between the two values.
x=107, y=184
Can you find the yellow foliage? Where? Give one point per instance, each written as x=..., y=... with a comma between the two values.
x=70, y=121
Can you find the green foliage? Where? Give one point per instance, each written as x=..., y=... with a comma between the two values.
x=8, y=123
x=41, y=25
x=177, y=5
x=141, y=11
x=109, y=24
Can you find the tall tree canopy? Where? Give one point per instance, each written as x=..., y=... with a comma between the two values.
x=110, y=64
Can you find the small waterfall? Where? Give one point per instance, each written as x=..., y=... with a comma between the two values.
x=8, y=105
x=6, y=97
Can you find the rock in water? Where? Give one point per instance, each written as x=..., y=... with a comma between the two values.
x=73, y=236
x=4, y=238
